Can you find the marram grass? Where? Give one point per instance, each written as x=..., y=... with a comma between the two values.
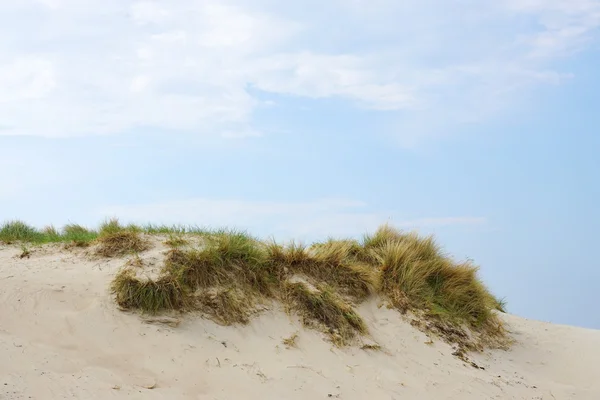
x=231, y=272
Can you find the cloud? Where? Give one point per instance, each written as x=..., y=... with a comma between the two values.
x=314, y=219
x=70, y=68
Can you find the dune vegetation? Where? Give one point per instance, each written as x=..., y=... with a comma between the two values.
x=229, y=276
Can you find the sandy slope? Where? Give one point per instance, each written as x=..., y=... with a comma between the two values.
x=61, y=336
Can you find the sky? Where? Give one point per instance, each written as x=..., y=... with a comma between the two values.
x=473, y=120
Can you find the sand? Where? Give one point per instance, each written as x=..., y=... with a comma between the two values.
x=62, y=336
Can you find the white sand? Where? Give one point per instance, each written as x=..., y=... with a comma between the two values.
x=61, y=336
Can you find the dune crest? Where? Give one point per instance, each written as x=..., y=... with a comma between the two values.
x=63, y=336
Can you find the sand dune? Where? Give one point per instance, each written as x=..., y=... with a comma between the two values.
x=62, y=336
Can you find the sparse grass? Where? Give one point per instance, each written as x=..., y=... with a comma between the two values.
x=175, y=229
x=149, y=296
x=25, y=252
x=371, y=346
x=226, y=306
x=136, y=261
x=327, y=309
x=499, y=304
x=290, y=342
x=176, y=241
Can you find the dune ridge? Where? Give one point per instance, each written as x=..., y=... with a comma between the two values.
x=63, y=335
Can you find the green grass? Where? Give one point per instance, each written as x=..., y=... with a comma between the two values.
x=77, y=235
x=18, y=231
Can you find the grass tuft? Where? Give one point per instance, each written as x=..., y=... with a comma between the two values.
x=416, y=275
x=149, y=296
x=120, y=243
x=110, y=227
x=333, y=262
x=19, y=231
x=25, y=252
x=291, y=342
x=78, y=235
x=51, y=234
x=226, y=306
x=229, y=259
x=324, y=307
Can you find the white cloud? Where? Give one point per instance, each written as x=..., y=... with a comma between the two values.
x=316, y=219
x=105, y=67
x=26, y=78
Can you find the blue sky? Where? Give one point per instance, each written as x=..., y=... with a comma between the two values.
x=473, y=120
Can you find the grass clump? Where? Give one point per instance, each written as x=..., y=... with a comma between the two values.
x=229, y=259
x=333, y=262
x=52, y=234
x=290, y=342
x=110, y=227
x=226, y=306
x=415, y=274
x=120, y=243
x=78, y=235
x=25, y=252
x=149, y=296
x=324, y=307
x=115, y=240
x=18, y=231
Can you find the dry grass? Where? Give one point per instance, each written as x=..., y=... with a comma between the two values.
x=120, y=243
x=291, y=342
x=415, y=275
x=231, y=271
x=229, y=259
x=226, y=306
x=148, y=295
x=135, y=261
x=371, y=346
x=323, y=307
x=332, y=262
